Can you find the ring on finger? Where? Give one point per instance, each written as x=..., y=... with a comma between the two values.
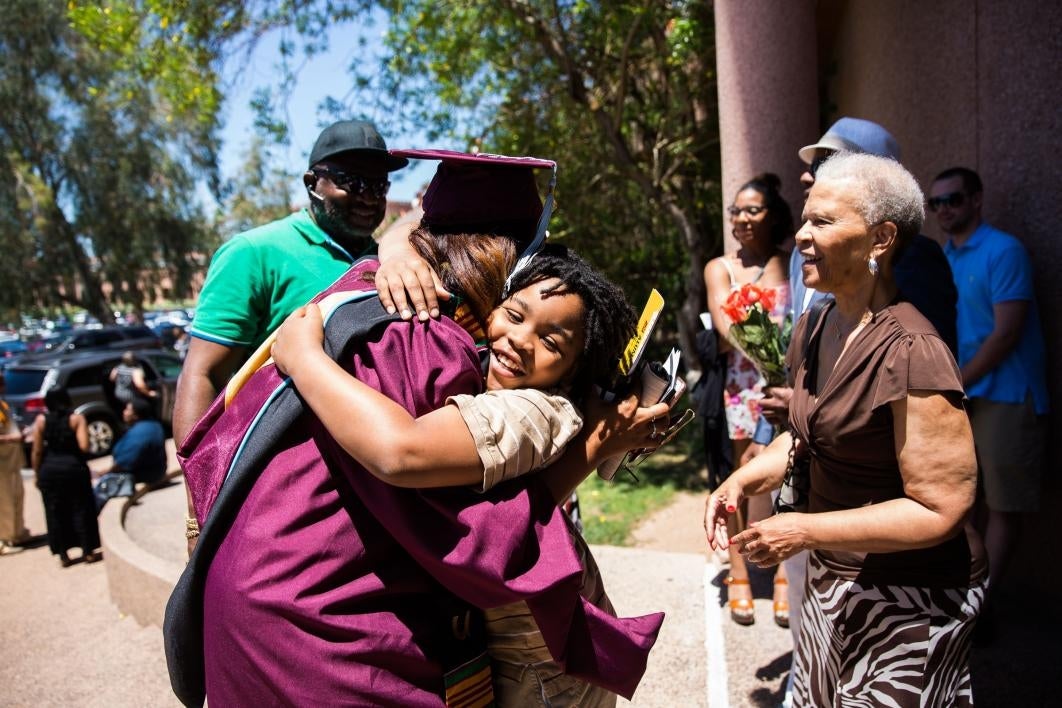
x=654, y=434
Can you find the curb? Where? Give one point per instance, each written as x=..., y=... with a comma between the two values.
x=139, y=582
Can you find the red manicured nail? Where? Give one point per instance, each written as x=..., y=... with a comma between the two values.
x=731, y=507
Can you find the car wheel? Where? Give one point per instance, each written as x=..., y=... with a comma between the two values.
x=101, y=434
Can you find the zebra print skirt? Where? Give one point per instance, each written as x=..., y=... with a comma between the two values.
x=883, y=645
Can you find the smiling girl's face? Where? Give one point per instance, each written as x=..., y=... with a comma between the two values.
x=535, y=341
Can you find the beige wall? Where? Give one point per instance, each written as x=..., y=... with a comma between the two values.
x=974, y=84
x=765, y=116
x=958, y=82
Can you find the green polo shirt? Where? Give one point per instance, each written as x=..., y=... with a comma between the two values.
x=261, y=276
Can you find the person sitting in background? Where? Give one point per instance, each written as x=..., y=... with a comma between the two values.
x=181, y=340
x=139, y=455
x=894, y=585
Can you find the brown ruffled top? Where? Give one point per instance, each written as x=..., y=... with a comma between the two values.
x=849, y=430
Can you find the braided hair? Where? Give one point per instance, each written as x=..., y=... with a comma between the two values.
x=608, y=318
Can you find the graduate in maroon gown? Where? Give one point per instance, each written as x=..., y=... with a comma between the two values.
x=331, y=587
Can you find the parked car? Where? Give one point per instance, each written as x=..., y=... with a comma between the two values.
x=86, y=375
x=10, y=348
x=112, y=338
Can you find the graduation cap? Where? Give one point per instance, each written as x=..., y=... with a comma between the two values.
x=485, y=193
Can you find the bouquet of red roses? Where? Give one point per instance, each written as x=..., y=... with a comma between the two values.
x=754, y=332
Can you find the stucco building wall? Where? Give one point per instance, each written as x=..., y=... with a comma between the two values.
x=959, y=83
x=768, y=93
x=973, y=84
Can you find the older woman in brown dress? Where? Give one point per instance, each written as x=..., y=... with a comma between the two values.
x=894, y=586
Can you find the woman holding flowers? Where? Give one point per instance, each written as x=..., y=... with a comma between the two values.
x=756, y=272
x=894, y=583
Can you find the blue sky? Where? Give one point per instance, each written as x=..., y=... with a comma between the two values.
x=325, y=75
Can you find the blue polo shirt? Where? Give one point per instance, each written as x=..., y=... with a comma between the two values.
x=993, y=267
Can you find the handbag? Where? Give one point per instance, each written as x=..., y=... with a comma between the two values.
x=796, y=484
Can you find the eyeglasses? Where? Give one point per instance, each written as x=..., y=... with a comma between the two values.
x=953, y=201
x=356, y=184
x=813, y=168
x=750, y=210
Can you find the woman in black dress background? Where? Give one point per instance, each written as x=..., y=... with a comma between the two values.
x=60, y=441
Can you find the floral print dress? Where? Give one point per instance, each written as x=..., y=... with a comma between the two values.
x=744, y=386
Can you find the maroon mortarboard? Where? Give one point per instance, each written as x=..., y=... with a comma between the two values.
x=484, y=193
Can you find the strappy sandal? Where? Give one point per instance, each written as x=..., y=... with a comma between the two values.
x=781, y=607
x=742, y=611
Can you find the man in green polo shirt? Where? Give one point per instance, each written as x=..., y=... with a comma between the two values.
x=259, y=277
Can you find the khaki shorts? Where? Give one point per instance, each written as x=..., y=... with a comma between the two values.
x=1010, y=452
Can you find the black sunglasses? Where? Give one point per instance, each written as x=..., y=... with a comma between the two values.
x=355, y=184
x=953, y=200
x=813, y=168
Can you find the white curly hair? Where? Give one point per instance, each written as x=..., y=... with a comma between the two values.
x=888, y=192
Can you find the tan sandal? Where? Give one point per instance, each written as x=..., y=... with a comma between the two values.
x=781, y=607
x=742, y=610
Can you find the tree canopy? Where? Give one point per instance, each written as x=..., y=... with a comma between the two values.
x=621, y=94
x=98, y=168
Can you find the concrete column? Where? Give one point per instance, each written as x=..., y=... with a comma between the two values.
x=768, y=93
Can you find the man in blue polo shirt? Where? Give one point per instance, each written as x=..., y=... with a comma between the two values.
x=1001, y=358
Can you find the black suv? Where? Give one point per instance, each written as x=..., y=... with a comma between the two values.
x=109, y=338
x=86, y=375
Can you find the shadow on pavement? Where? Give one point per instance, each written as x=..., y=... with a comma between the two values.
x=1020, y=665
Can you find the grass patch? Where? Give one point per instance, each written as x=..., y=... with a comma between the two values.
x=611, y=509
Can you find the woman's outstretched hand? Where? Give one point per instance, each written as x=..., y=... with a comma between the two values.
x=721, y=503
x=771, y=541
x=301, y=336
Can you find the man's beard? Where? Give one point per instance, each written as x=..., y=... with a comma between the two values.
x=958, y=225
x=335, y=225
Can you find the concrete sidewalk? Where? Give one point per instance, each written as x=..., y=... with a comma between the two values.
x=64, y=641
x=638, y=581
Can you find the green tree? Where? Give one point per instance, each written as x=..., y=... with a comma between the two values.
x=97, y=170
x=622, y=94
x=258, y=193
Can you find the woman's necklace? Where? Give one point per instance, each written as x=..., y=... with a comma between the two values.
x=841, y=335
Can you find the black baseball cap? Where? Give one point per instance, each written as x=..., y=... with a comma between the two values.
x=358, y=136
